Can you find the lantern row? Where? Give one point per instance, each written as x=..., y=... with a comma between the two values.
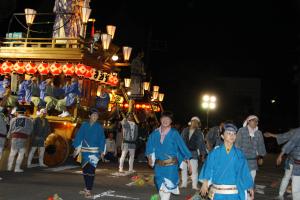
x=68, y=69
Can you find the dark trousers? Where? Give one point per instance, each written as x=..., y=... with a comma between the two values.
x=88, y=174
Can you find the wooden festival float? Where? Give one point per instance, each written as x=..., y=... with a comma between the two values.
x=93, y=61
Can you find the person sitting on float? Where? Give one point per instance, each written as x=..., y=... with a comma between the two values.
x=32, y=92
x=23, y=87
x=47, y=93
x=71, y=94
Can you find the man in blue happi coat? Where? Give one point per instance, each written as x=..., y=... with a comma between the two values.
x=165, y=151
x=89, y=144
x=71, y=93
x=226, y=170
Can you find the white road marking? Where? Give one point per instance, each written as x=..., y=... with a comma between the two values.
x=97, y=171
x=260, y=189
x=109, y=193
x=61, y=168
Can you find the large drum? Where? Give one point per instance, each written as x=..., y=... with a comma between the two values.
x=57, y=150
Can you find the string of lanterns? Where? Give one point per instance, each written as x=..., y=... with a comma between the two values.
x=55, y=69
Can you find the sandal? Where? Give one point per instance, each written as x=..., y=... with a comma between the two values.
x=83, y=191
x=88, y=195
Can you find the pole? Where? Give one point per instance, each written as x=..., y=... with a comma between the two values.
x=28, y=30
x=207, y=112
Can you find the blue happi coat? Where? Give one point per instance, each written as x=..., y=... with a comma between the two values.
x=3, y=85
x=221, y=168
x=91, y=139
x=23, y=87
x=166, y=177
x=71, y=92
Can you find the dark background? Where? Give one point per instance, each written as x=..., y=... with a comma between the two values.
x=189, y=43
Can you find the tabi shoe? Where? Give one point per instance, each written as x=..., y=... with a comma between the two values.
x=43, y=165
x=19, y=170
x=30, y=166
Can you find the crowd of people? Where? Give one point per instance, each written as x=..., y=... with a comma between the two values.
x=17, y=131
x=224, y=160
x=229, y=157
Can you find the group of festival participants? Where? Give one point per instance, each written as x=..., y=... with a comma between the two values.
x=40, y=93
x=230, y=155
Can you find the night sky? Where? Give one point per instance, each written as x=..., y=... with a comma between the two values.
x=188, y=43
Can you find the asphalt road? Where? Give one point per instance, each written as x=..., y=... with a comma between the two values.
x=66, y=181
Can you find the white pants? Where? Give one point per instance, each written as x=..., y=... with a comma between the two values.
x=296, y=187
x=184, y=173
x=131, y=158
x=13, y=153
x=253, y=174
x=41, y=155
x=164, y=195
x=2, y=142
x=285, y=180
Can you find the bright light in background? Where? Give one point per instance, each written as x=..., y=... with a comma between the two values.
x=273, y=101
x=209, y=102
x=129, y=93
x=115, y=57
x=213, y=99
x=212, y=105
x=205, y=98
x=205, y=105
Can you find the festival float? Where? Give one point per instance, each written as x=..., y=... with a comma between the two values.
x=95, y=61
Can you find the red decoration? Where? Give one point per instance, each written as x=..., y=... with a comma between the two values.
x=68, y=69
x=7, y=67
x=89, y=71
x=31, y=68
x=80, y=69
x=1, y=70
x=55, y=69
x=113, y=80
x=43, y=68
x=19, y=67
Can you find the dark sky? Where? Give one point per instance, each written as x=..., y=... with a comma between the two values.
x=188, y=43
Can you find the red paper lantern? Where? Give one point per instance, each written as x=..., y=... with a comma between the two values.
x=19, y=67
x=113, y=80
x=55, y=69
x=68, y=69
x=7, y=67
x=80, y=69
x=88, y=73
x=31, y=68
x=43, y=68
x=1, y=70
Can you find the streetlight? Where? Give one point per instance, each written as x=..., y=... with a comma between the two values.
x=127, y=82
x=29, y=15
x=126, y=53
x=110, y=29
x=106, y=39
x=86, y=12
x=208, y=103
x=146, y=85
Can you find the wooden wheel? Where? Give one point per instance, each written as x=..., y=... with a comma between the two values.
x=57, y=150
